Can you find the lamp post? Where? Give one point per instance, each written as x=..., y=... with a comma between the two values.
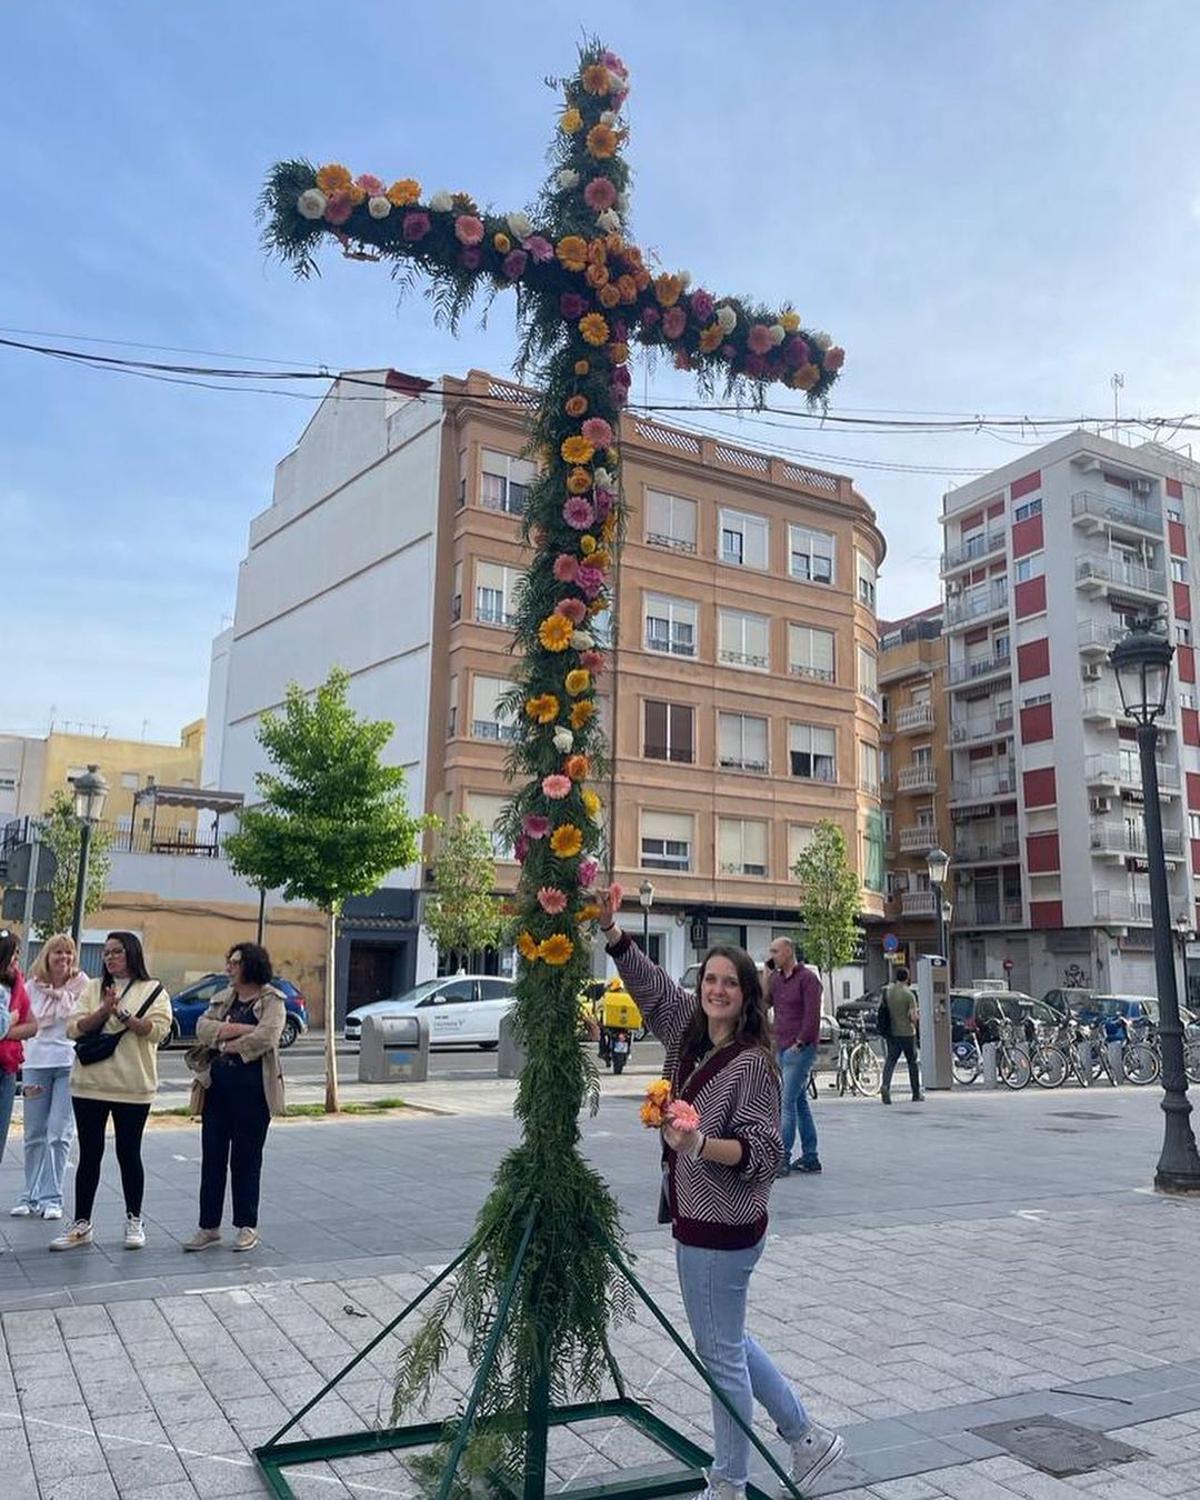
x=1185, y=933
x=938, y=862
x=1142, y=663
x=91, y=792
x=646, y=897
x=947, y=914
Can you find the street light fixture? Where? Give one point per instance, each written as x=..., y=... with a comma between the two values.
x=938, y=862
x=91, y=793
x=1142, y=662
x=1185, y=933
x=646, y=897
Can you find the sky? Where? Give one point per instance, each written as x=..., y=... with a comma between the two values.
x=993, y=206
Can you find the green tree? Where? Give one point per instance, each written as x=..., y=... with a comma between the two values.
x=461, y=914
x=60, y=832
x=829, y=900
x=333, y=820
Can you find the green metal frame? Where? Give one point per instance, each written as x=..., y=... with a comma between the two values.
x=275, y=1455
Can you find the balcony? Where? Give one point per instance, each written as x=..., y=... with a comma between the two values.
x=995, y=851
x=919, y=778
x=1116, y=906
x=1094, y=512
x=672, y=543
x=743, y=659
x=1101, y=575
x=1123, y=772
x=915, y=716
x=981, y=727
x=1001, y=784
x=815, y=674
x=982, y=544
x=1096, y=639
x=1112, y=840
x=1102, y=705
x=977, y=604
x=918, y=904
x=988, y=913
x=491, y=729
x=979, y=668
x=918, y=840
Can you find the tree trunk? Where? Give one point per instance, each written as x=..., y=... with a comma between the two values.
x=332, y=1104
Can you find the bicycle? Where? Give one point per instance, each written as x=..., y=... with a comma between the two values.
x=1071, y=1050
x=1012, y=1059
x=1141, y=1060
x=859, y=1069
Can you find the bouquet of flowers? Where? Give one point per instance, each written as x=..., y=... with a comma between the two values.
x=659, y=1109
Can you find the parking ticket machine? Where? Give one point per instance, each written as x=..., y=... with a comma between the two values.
x=933, y=1000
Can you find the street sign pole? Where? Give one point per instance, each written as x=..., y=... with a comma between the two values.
x=31, y=890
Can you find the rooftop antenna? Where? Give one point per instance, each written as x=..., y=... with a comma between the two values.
x=1118, y=385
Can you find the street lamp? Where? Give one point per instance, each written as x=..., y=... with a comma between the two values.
x=1184, y=932
x=947, y=914
x=1142, y=662
x=91, y=792
x=646, y=897
x=938, y=862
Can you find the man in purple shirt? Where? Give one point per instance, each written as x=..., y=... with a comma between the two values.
x=795, y=993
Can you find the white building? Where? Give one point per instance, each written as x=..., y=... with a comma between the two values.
x=1046, y=563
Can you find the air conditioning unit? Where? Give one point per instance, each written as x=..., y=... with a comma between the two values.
x=1093, y=671
x=1100, y=804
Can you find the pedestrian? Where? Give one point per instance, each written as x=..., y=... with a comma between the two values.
x=55, y=986
x=795, y=990
x=238, y=1088
x=902, y=1008
x=717, y=1183
x=14, y=1001
x=117, y=1026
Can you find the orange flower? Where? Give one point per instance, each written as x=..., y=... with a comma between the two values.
x=334, y=178
x=580, y=679
x=609, y=529
x=582, y=712
x=566, y=841
x=657, y=1097
x=502, y=243
x=598, y=606
x=575, y=406
x=404, y=191
x=588, y=913
x=527, y=947
x=597, y=251
x=543, y=708
x=627, y=288
x=555, y=632
x=618, y=353
x=602, y=142
x=579, y=481
x=668, y=290
x=596, y=275
x=570, y=121
x=608, y=296
x=572, y=251
x=582, y=366
x=556, y=950
x=594, y=330
x=642, y=277
x=577, y=767
x=804, y=378
x=711, y=337
x=597, y=79
x=599, y=559
x=614, y=244
x=576, y=450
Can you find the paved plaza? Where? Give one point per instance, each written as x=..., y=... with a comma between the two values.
x=978, y=1259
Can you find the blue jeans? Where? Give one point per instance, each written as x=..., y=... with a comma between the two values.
x=714, y=1284
x=49, y=1131
x=796, y=1063
x=8, y=1089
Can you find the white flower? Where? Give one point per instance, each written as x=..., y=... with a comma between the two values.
x=311, y=204
x=564, y=741
x=684, y=278
x=778, y=333
x=623, y=203
x=726, y=317
x=609, y=220
x=568, y=179
x=520, y=225
x=378, y=208
x=602, y=479
x=822, y=339
x=582, y=641
x=441, y=202
x=609, y=117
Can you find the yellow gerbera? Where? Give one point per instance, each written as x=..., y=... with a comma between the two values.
x=572, y=251
x=579, y=481
x=555, y=632
x=594, y=329
x=587, y=544
x=577, y=450
x=334, y=178
x=404, y=191
x=592, y=803
x=588, y=913
x=710, y=338
x=556, y=950
x=502, y=243
x=602, y=141
x=579, y=680
x=790, y=321
x=618, y=352
x=543, y=708
x=570, y=121
x=527, y=947
x=581, y=713
x=597, y=79
x=566, y=841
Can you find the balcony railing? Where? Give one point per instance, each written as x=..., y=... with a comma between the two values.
x=491, y=729
x=1113, y=906
x=915, y=716
x=918, y=840
x=1118, y=770
x=982, y=788
x=981, y=727
x=1104, y=572
x=1130, y=838
x=917, y=779
x=162, y=840
x=988, y=914
x=1089, y=505
x=975, y=668
x=987, y=851
x=674, y=543
x=918, y=903
x=743, y=659
x=817, y=674
x=981, y=545
x=1096, y=637
x=990, y=599
x=869, y=785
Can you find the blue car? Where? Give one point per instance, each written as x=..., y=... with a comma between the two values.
x=1112, y=1010
x=191, y=1003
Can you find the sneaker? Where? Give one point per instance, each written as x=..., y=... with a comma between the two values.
x=53, y=1212
x=202, y=1239
x=135, y=1232
x=783, y=1169
x=80, y=1233
x=819, y=1449
x=247, y=1239
x=800, y=1165
x=22, y=1211
x=722, y=1489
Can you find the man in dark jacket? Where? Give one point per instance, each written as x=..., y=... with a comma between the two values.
x=795, y=993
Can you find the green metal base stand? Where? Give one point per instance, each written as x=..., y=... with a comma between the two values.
x=276, y=1455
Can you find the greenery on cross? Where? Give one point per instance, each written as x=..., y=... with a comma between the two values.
x=461, y=914
x=60, y=833
x=830, y=901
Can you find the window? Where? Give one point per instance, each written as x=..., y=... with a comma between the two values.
x=885, y=708
x=505, y=482
x=868, y=680
x=889, y=825
x=799, y=837
x=744, y=640
x=811, y=653
x=866, y=580
x=670, y=625
x=1036, y=701
x=129, y=780
x=488, y=809
x=813, y=752
x=741, y=742
x=666, y=840
x=1000, y=646
x=811, y=554
x=741, y=846
x=885, y=765
x=456, y=593
x=1187, y=699
x=452, y=711
x=1029, y=567
x=1194, y=825
x=668, y=731
x=495, y=586
x=488, y=720
x=868, y=768
x=922, y=755
x=1179, y=569
x=1175, y=511
x=1027, y=511
x=743, y=539
x=1183, y=634
x=670, y=521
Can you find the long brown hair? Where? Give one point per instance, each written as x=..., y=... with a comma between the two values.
x=753, y=1027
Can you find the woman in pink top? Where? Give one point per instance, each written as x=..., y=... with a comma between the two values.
x=14, y=1000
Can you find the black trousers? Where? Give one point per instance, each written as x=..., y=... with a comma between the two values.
x=129, y=1121
x=233, y=1131
x=906, y=1047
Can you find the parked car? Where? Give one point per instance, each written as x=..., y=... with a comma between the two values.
x=864, y=1009
x=1066, y=1001
x=1112, y=1010
x=191, y=1002
x=461, y=1009
x=1014, y=1006
x=690, y=978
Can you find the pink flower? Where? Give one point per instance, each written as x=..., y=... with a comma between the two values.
x=593, y=661
x=556, y=787
x=620, y=331
x=590, y=580
x=674, y=321
x=682, y=1115
x=618, y=395
x=588, y=870
x=470, y=257
x=835, y=358
x=755, y=365
x=578, y=512
x=758, y=340
x=603, y=500
x=468, y=230
x=650, y=316
x=535, y=825
x=728, y=351
x=571, y=609
x=599, y=194
x=614, y=64
x=514, y=264
x=552, y=900
x=416, y=225
x=539, y=248
x=703, y=306
x=795, y=352
x=622, y=377
x=371, y=185
x=572, y=305
x=521, y=849
x=339, y=207
x=598, y=432
x=566, y=567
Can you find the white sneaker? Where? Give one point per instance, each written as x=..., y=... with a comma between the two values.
x=722, y=1489
x=80, y=1233
x=53, y=1212
x=135, y=1232
x=22, y=1211
x=818, y=1450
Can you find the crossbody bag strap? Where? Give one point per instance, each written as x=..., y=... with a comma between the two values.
x=154, y=994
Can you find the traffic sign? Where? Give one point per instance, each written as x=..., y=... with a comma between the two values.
x=12, y=909
x=20, y=862
x=890, y=942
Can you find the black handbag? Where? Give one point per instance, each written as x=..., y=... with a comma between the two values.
x=97, y=1046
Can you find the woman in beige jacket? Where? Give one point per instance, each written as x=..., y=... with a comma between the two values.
x=239, y=1086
